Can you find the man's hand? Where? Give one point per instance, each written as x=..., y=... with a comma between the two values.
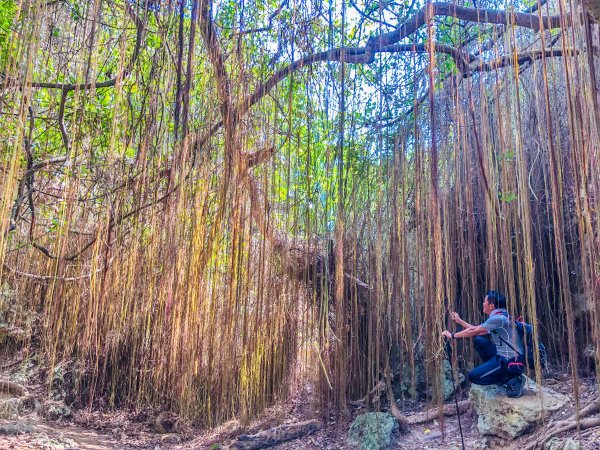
x=454, y=316
x=447, y=334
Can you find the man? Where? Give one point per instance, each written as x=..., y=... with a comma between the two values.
x=502, y=354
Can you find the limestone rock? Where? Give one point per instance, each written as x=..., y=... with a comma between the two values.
x=53, y=410
x=459, y=379
x=9, y=429
x=10, y=407
x=558, y=444
x=415, y=385
x=373, y=431
x=511, y=417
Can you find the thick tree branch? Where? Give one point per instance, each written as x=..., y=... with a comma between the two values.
x=259, y=157
x=462, y=59
x=520, y=58
x=48, y=162
x=499, y=30
x=387, y=43
x=475, y=15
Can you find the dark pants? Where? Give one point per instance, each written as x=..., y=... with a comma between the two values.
x=494, y=370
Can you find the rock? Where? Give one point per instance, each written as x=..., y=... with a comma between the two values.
x=558, y=444
x=53, y=410
x=166, y=422
x=10, y=429
x=416, y=386
x=411, y=385
x=11, y=389
x=373, y=431
x=10, y=408
x=459, y=379
x=482, y=444
x=511, y=417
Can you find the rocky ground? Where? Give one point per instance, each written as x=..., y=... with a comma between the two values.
x=30, y=418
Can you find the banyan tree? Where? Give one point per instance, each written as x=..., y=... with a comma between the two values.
x=205, y=203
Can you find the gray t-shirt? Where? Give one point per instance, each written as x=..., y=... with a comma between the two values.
x=498, y=325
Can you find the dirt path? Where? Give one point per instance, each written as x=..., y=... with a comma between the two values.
x=31, y=434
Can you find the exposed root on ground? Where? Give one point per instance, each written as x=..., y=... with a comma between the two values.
x=274, y=436
x=394, y=410
x=579, y=421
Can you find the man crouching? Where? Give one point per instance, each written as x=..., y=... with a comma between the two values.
x=501, y=354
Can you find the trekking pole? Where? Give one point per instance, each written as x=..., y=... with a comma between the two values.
x=449, y=354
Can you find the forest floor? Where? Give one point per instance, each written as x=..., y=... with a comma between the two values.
x=94, y=430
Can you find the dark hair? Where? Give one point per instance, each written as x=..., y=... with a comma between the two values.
x=496, y=298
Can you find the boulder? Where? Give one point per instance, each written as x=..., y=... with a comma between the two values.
x=11, y=399
x=507, y=417
x=10, y=407
x=373, y=431
x=53, y=410
x=9, y=429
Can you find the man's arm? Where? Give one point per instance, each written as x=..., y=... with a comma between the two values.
x=472, y=331
x=469, y=332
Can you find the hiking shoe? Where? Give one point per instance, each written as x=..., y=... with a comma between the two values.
x=514, y=387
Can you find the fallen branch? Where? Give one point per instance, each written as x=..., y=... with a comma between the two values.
x=275, y=436
x=434, y=413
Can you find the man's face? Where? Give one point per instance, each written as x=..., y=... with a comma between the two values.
x=487, y=306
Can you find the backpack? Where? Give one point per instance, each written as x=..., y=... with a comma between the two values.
x=525, y=332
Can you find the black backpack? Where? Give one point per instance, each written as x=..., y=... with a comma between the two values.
x=525, y=332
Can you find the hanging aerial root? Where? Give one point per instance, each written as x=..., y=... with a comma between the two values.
x=402, y=422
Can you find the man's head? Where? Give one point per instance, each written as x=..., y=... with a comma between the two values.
x=493, y=300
